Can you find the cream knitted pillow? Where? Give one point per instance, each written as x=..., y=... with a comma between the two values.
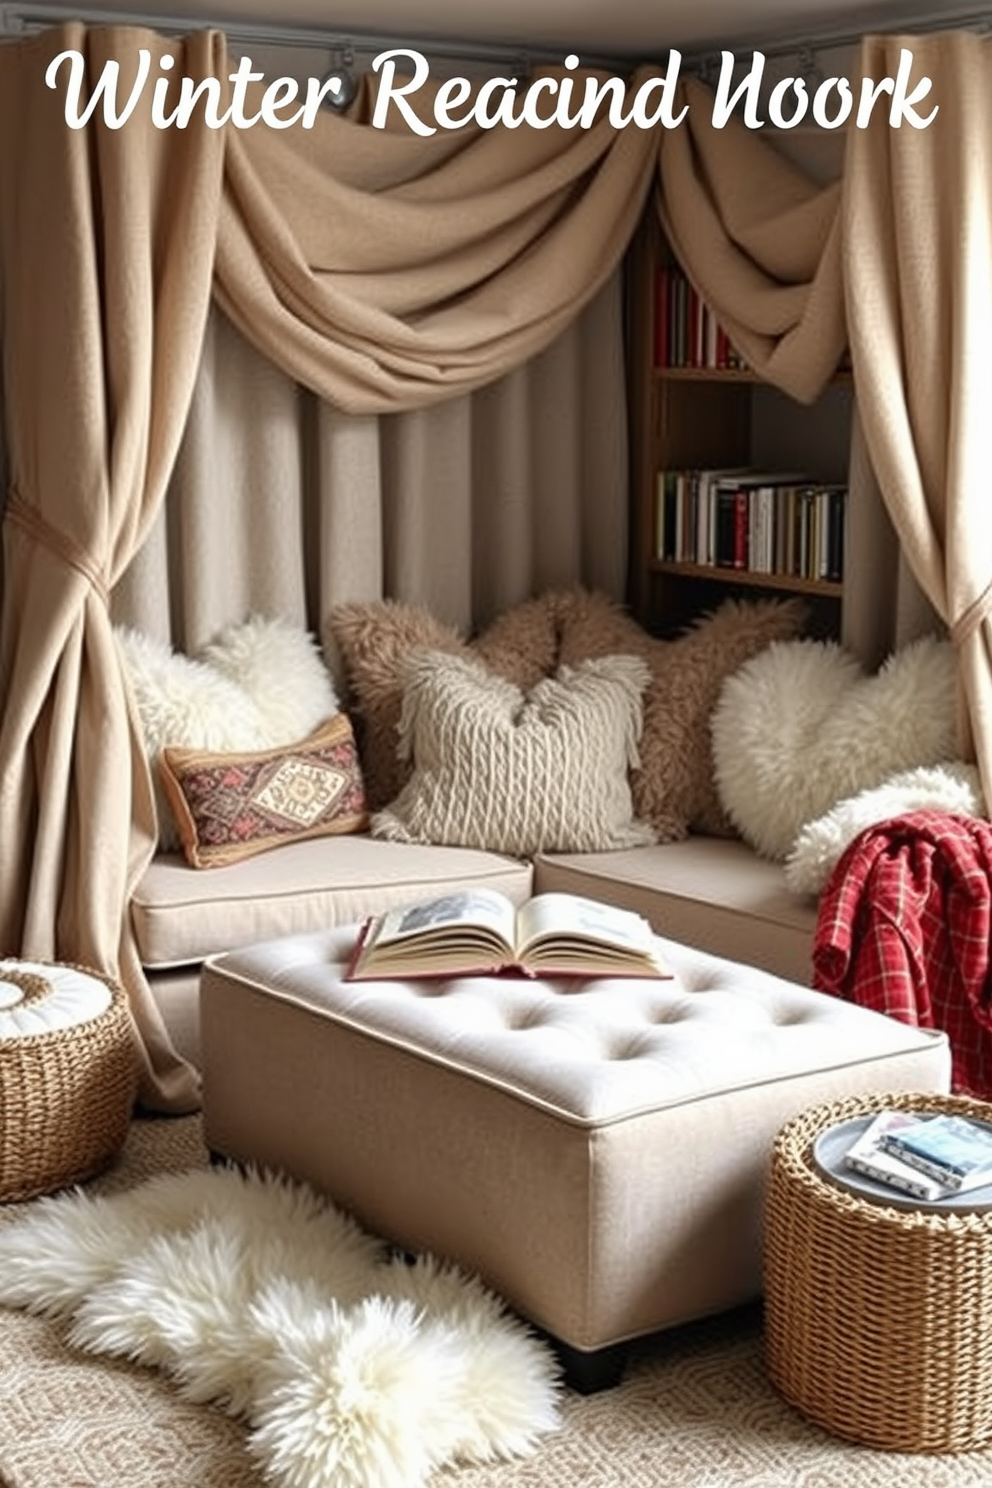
x=517, y=772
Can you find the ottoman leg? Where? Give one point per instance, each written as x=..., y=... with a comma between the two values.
x=588, y=1373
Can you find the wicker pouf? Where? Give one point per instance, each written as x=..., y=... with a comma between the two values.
x=68, y=1074
x=878, y=1315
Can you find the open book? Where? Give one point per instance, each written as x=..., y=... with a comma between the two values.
x=481, y=932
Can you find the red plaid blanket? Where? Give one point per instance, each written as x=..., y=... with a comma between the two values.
x=904, y=925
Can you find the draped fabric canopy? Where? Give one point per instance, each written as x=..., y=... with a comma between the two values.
x=386, y=271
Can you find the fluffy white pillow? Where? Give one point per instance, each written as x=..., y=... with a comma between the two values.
x=953, y=787
x=281, y=669
x=768, y=716
x=801, y=726
x=256, y=686
x=516, y=772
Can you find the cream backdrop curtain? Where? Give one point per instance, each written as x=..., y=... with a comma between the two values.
x=462, y=256
x=280, y=503
x=917, y=250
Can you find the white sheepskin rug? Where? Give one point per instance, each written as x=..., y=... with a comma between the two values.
x=800, y=727
x=352, y=1366
x=953, y=787
x=257, y=685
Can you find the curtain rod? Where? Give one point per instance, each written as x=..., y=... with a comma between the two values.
x=959, y=20
x=18, y=19
x=21, y=19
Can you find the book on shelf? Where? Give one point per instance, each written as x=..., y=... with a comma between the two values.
x=953, y=1150
x=771, y=522
x=686, y=332
x=869, y=1156
x=481, y=932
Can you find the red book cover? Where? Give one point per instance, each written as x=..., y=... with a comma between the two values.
x=740, y=530
x=692, y=328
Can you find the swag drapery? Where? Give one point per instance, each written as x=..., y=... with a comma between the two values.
x=386, y=272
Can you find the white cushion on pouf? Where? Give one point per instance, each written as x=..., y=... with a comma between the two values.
x=66, y=998
x=595, y=1149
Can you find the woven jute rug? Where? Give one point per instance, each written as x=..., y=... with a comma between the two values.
x=695, y=1409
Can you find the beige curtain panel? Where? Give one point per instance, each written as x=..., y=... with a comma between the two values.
x=106, y=248
x=917, y=248
x=893, y=259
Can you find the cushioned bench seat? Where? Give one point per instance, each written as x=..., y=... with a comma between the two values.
x=182, y=915
x=711, y=892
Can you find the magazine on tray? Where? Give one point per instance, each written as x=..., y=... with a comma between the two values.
x=955, y=1151
x=481, y=932
x=869, y=1155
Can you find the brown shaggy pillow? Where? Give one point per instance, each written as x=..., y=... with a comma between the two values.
x=522, y=643
x=373, y=640
x=674, y=789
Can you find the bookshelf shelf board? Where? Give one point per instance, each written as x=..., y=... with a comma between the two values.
x=843, y=377
x=706, y=374
x=792, y=582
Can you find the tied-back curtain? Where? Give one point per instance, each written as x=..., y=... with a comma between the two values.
x=917, y=256
x=107, y=249
x=462, y=257
x=760, y=240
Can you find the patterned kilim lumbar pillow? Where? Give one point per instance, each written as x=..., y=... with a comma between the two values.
x=231, y=806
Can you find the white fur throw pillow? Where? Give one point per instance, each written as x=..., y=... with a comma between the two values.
x=952, y=786
x=801, y=727
x=256, y=686
x=517, y=772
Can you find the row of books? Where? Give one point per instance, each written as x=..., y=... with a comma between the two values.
x=926, y=1157
x=686, y=332
x=766, y=523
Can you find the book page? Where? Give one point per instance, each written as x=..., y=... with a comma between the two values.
x=571, y=917
x=485, y=908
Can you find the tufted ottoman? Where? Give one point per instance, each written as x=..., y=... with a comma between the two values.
x=595, y=1149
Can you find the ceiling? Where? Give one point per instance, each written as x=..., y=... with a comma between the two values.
x=621, y=28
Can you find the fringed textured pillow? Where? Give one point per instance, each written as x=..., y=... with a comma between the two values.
x=516, y=772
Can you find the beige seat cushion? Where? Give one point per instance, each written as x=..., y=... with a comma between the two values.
x=181, y=914
x=710, y=892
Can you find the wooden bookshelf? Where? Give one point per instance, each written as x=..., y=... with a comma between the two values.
x=689, y=418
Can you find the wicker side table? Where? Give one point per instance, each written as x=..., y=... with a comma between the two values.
x=878, y=1317
x=68, y=1074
